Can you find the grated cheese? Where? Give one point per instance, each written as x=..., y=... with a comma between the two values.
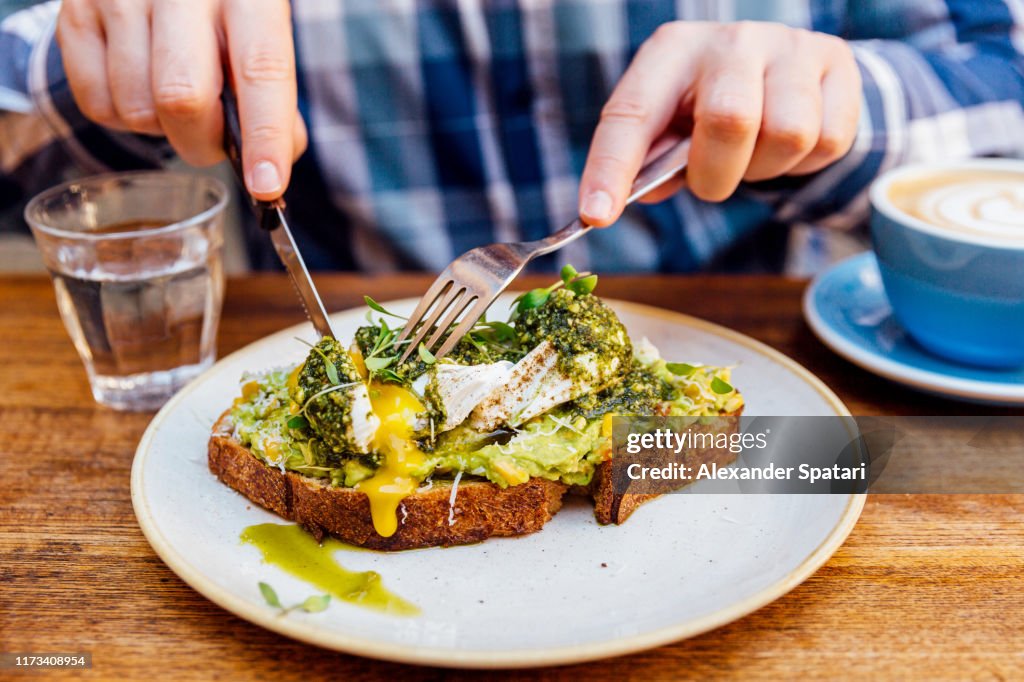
x=451, y=498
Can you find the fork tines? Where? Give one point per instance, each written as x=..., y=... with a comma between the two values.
x=445, y=297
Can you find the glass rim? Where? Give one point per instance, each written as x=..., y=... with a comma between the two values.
x=50, y=230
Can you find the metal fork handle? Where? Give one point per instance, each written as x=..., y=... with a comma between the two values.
x=660, y=170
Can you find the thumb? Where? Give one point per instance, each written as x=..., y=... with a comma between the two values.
x=639, y=110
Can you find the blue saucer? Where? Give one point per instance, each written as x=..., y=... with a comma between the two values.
x=847, y=309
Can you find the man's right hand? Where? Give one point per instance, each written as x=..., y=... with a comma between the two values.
x=157, y=66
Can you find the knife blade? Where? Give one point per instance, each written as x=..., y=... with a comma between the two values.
x=284, y=243
x=270, y=215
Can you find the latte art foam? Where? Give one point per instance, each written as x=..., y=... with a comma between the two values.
x=987, y=203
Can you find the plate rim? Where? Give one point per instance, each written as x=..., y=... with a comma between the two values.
x=498, y=658
x=975, y=390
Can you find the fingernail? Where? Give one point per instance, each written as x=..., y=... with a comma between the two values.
x=597, y=206
x=265, y=179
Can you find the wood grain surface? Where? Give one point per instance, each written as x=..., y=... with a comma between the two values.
x=926, y=586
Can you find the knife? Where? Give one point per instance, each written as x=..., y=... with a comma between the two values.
x=270, y=215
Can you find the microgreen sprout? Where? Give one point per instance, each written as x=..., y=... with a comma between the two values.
x=425, y=355
x=297, y=422
x=381, y=309
x=376, y=363
x=580, y=283
x=313, y=604
x=330, y=389
x=681, y=369
x=329, y=366
x=721, y=387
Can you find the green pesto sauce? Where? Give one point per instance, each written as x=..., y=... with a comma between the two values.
x=329, y=413
x=435, y=406
x=295, y=551
x=579, y=326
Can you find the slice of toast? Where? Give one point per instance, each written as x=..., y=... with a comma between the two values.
x=615, y=503
x=426, y=519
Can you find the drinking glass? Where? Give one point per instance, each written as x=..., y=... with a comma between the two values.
x=136, y=263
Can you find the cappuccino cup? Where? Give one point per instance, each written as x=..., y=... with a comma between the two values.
x=949, y=239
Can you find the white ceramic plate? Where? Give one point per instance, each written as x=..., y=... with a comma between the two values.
x=576, y=591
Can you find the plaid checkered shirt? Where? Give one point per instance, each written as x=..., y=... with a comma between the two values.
x=443, y=125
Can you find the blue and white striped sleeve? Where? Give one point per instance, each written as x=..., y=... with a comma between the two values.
x=942, y=79
x=43, y=136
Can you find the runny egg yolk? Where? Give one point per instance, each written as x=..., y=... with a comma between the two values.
x=396, y=407
x=357, y=360
x=249, y=391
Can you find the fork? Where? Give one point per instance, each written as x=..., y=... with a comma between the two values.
x=481, y=274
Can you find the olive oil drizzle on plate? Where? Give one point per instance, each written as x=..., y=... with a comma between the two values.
x=295, y=551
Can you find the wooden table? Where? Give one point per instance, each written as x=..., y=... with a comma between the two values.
x=926, y=586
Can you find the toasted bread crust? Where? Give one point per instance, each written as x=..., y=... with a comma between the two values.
x=615, y=507
x=481, y=510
